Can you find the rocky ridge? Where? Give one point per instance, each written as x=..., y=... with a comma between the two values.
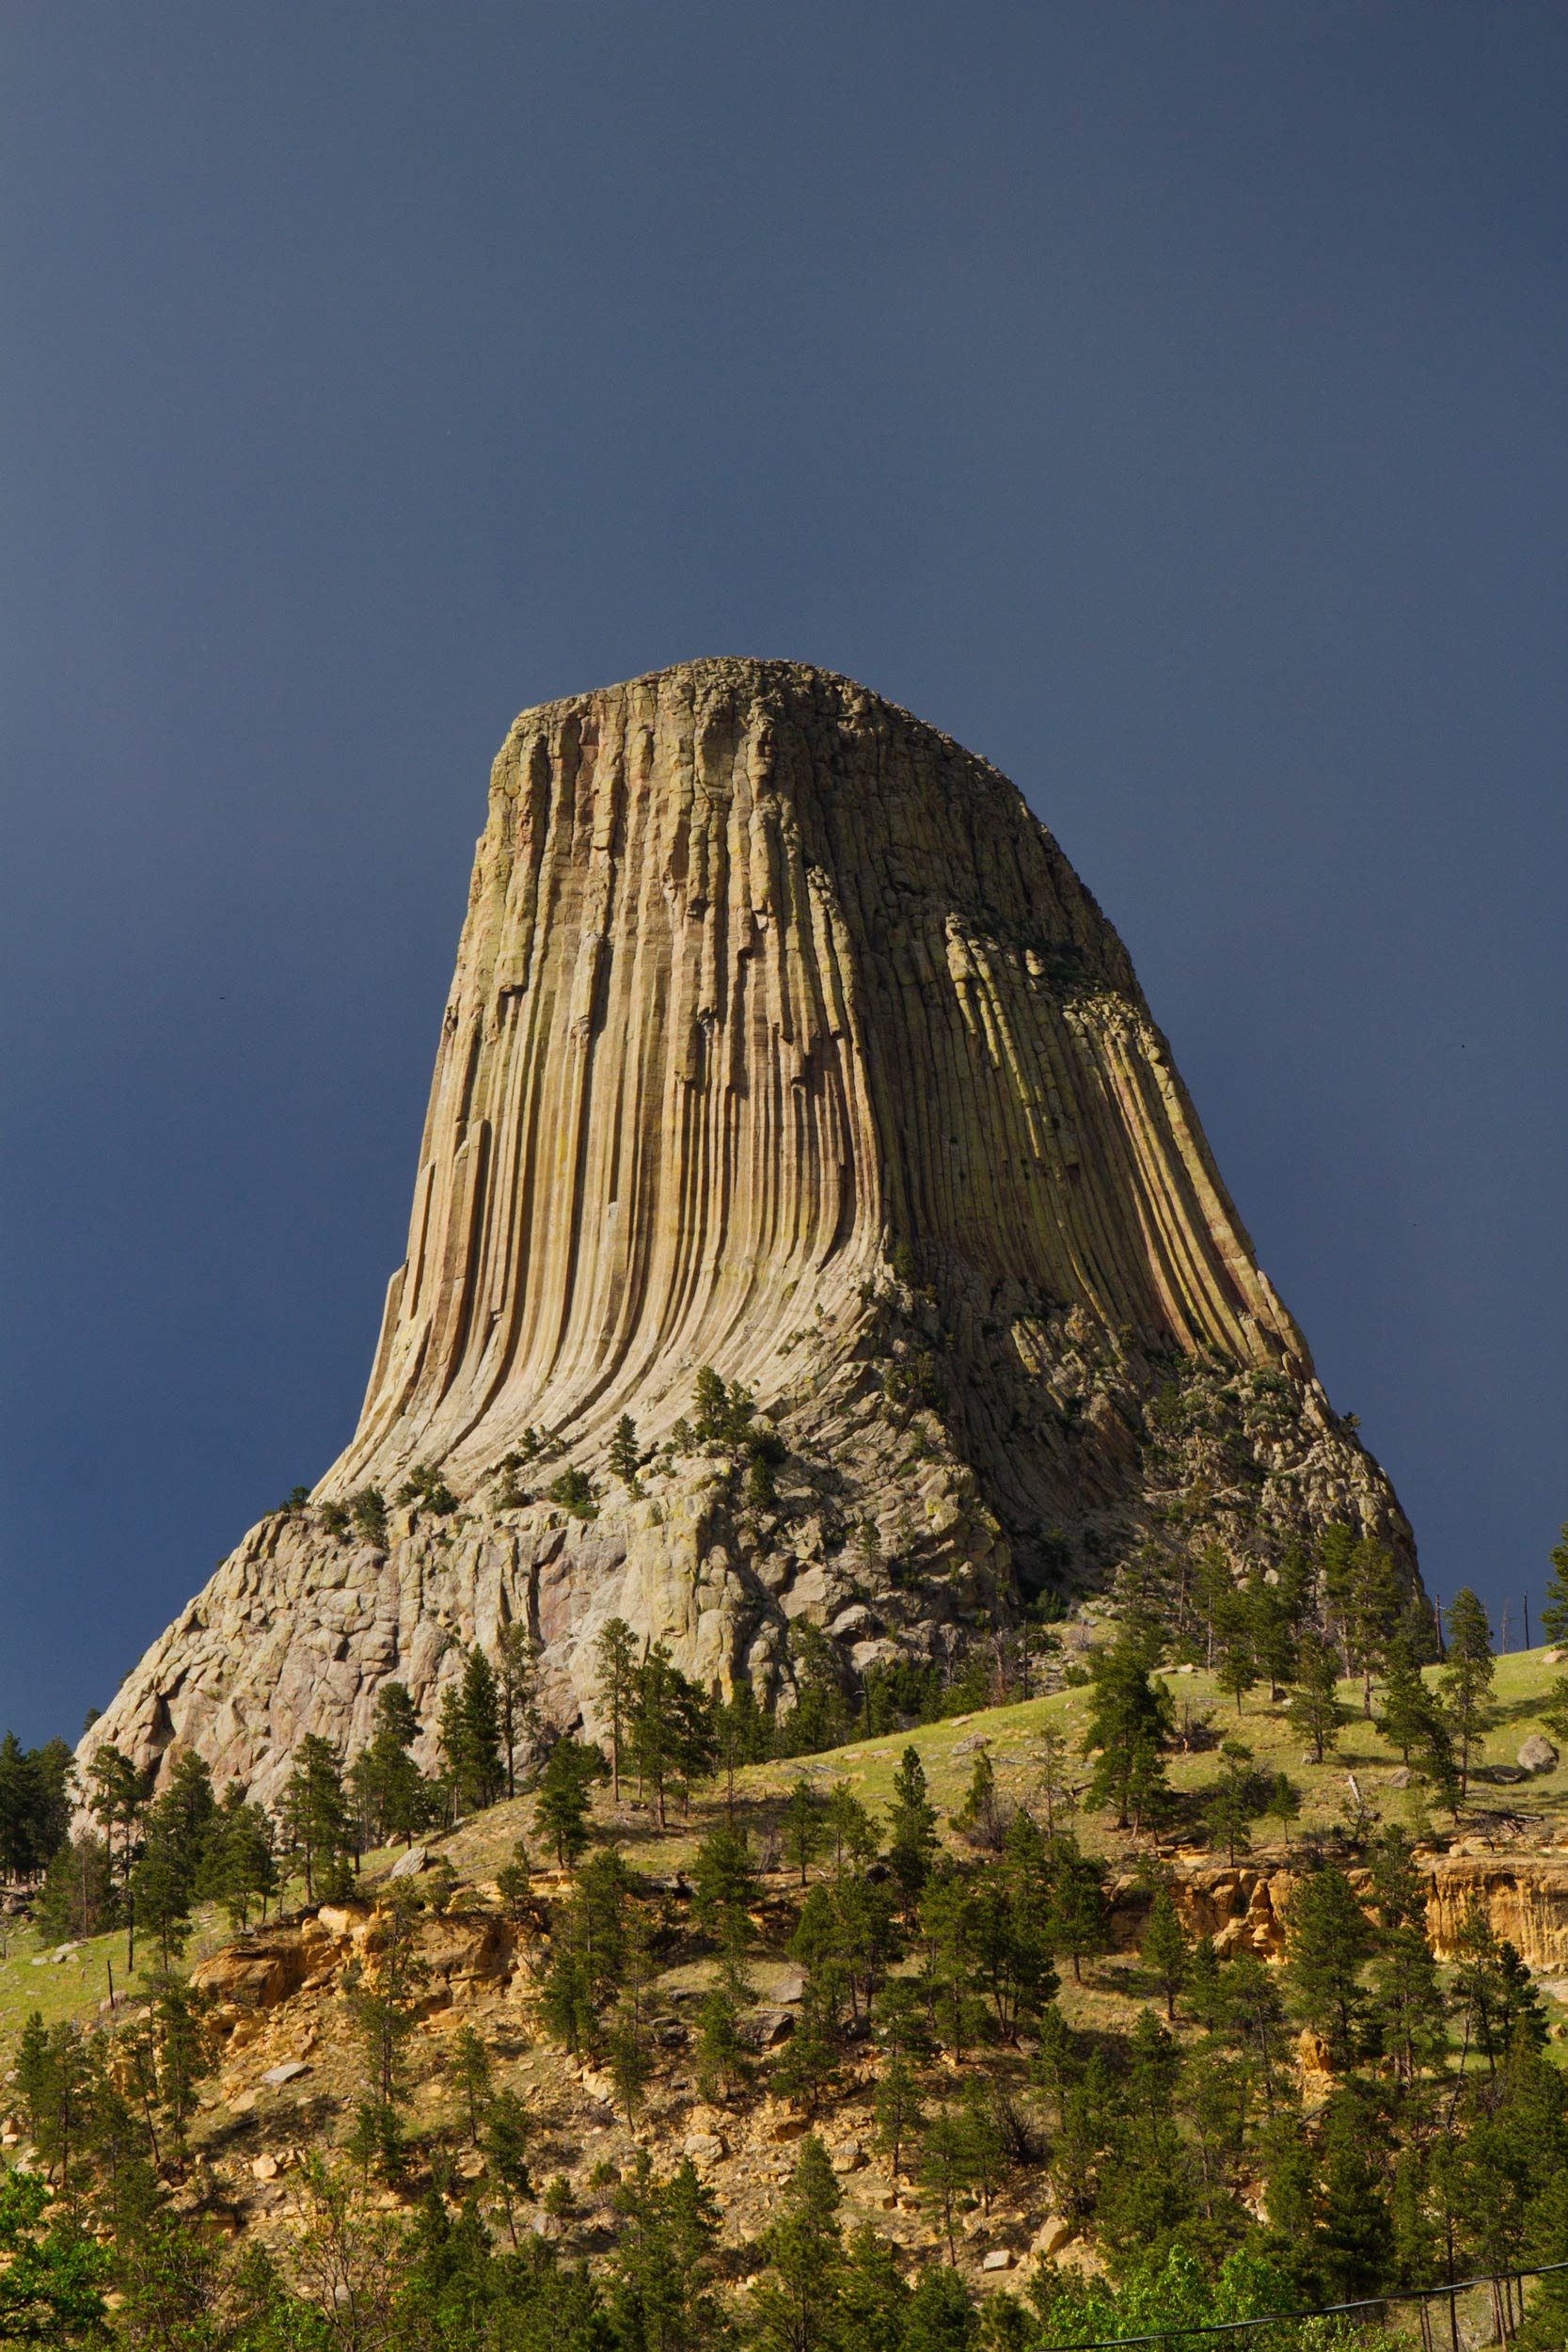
x=782, y=1041
x=287, y=2074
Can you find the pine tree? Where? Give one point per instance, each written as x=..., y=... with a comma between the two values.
x=655, y=1724
x=468, y=2070
x=514, y=1883
x=34, y=2079
x=1235, y=1659
x=564, y=1806
x=1077, y=1923
x=631, y=2063
x=874, y=2311
x=1408, y=1706
x=1328, y=1939
x=391, y=1793
x=624, y=1460
x=1492, y=1989
x=1234, y=1800
x=17, y=1849
x=1056, y=2064
x=1336, y=1573
x=1166, y=1948
x=189, y=1809
x=660, y=2288
x=1416, y=2243
x=614, y=1685
x=508, y=2129
x=1315, y=1710
x=807, y=2068
x=1375, y=1609
x=383, y=2010
x=116, y=1795
x=1283, y=1802
x=79, y=1898
x=240, y=1870
x=725, y=1888
x=1244, y=1999
x=471, y=1730
x=804, y=1830
x=1554, y=1617
x=1130, y=1720
x=795, y=2306
x=911, y=1828
x=723, y=2062
x=1408, y=2000
x=1275, y=1622
x=851, y=1829
x=897, y=2110
x=945, y=2168
x=1141, y=1597
x=517, y=1692
x=1212, y=1586
x=983, y=1814
x=1466, y=1678
x=1352, y=2242
x=183, y=2054
x=1205, y=1993
x=1058, y=1793
x=160, y=1886
x=316, y=1813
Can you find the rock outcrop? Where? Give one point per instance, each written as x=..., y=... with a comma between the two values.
x=1524, y=1896
x=783, y=1041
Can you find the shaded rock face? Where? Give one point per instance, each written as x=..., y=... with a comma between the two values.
x=785, y=1041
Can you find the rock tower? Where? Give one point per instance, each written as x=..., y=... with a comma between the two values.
x=783, y=1042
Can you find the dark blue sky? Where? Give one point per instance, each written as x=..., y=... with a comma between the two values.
x=1167, y=401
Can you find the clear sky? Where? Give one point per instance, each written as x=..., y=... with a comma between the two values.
x=1167, y=401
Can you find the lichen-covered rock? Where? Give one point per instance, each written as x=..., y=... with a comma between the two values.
x=785, y=1041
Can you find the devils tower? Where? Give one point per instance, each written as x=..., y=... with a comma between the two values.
x=784, y=1045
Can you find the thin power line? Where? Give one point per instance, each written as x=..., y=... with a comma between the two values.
x=1292, y=2319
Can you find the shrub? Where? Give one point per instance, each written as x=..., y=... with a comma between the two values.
x=574, y=1491
x=426, y=1486
x=368, y=1510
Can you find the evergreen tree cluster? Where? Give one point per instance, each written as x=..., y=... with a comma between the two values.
x=34, y=1805
x=1179, y=2145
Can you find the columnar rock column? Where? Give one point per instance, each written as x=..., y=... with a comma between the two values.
x=785, y=1041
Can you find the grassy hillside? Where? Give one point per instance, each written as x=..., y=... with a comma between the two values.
x=1533, y=1811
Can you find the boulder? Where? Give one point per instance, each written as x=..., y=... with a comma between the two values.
x=1050, y=2238
x=1537, y=1754
x=766, y=2027
x=288, y=2072
x=258, y=1974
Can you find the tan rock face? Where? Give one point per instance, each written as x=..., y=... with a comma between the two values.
x=1525, y=1897
x=783, y=1039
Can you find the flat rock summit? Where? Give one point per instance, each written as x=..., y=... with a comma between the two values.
x=783, y=1047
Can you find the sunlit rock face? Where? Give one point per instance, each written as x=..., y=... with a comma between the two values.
x=783, y=1041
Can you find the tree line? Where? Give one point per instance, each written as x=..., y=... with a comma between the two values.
x=1436, y=2145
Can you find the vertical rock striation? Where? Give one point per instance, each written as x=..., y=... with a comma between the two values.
x=785, y=1041
x=764, y=985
